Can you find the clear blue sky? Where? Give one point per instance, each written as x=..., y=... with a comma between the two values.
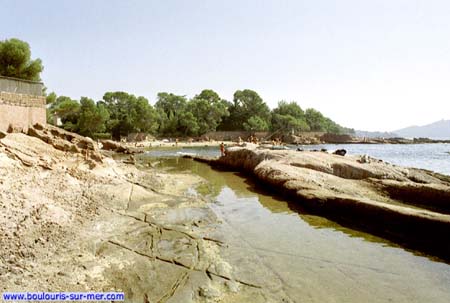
x=372, y=65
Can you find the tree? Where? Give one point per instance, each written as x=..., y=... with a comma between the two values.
x=174, y=116
x=246, y=104
x=187, y=124
x=255, y=123
x=208, y=109
x=289, y=117
x=51, y=98
x=128, y=114
x=287, y=123
x=15, y=61
x=291, y=108
x=146, y=120
x=92, y=117
x=67, y=110
x=171, y=103
x=315, y=119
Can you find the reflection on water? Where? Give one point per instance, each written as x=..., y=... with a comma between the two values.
x=229, y=186
x=315, y=258
x=226, y=187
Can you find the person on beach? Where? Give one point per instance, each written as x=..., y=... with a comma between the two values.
x=222, y=149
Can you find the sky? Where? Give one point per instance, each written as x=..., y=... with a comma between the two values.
x=376, y=65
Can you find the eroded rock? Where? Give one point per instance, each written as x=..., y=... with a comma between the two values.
x=66, y=141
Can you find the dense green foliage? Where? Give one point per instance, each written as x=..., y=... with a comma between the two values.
x=289, y=117
x=209, y=110
x=92, y=118
x=180, y=117
x=84, y=117
x=15, y=61
x=119, y=114
x=174, y=119
x=67, y=110
x=128, y=114
x=247, y=112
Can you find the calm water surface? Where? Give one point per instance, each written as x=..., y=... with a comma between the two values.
x=435, y=157
x=311, y=258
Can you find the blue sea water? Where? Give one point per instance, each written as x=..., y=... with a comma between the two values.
x=435, y=157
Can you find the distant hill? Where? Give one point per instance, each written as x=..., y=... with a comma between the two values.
x=436, y=130
x=367, y=134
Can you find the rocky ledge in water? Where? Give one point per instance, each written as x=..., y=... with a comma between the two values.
x=397, y=202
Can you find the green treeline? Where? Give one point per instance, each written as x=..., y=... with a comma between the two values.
x=119, y=114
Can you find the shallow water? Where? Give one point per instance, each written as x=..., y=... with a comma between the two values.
x=435, y=157
x=311, y=259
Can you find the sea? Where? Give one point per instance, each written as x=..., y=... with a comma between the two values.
x=434, y=157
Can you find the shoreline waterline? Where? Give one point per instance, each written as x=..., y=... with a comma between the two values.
x=308, y=251
x=434, y=157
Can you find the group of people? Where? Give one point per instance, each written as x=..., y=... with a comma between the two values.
x=253, y=139
x=277, y=141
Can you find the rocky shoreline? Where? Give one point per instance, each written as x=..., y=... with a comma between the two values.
x=407, y=205
x=74, y=219
x=348, y=139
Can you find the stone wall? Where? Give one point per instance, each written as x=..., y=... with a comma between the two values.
x=333, y=138
x=18, y=111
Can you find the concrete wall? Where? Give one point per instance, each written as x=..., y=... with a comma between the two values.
x=21, y=110
x=12, y=85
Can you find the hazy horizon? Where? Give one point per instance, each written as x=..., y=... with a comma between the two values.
x=375, y=66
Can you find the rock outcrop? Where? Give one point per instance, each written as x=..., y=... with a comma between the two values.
x=395, y=201
x=66, y=141
x=67, y=226
x=333, y=138
x=116, y=147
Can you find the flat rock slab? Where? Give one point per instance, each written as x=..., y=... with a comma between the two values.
x=358, y=190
